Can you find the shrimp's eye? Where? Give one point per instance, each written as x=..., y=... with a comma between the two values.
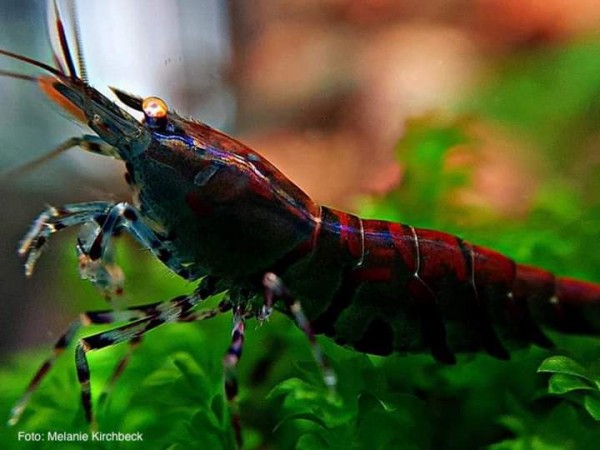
x=155, y=112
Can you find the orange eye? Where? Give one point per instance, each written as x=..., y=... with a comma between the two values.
x=154, y=108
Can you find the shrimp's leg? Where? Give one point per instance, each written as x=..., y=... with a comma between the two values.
x=105, y=274
x=274, y=290
x=86, y=318
x=176, y=310
x=230, y=362
x=206, y=288
x=124, y=216
x=108, y=218
x=54, y=219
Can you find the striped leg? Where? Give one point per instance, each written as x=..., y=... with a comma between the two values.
x=224, y=306
x=274, y=290
x=55, y=219
x=206, y=288
x=105, y=274
x=93, y=242
x=125, y=216
x=176, y=310
x=230, y=362
x=87, y=318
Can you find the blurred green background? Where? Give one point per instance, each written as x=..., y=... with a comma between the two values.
x=477, y=118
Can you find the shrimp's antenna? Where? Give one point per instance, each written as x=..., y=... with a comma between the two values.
x=31, y=61
x=64, y=44
x=26, y=168
x=78, y=43
x=17, y=75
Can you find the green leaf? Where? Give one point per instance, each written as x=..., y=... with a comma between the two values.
x=194, y=375
x=299, y=388
x=561, y=383
x=309, y=416
x=592, y=405
x=309, y=442
x=564, y=365
x=514, y=423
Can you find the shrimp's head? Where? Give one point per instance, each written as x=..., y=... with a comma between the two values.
x=113, y=124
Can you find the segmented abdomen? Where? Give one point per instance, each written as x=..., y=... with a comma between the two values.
x=384, y=287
